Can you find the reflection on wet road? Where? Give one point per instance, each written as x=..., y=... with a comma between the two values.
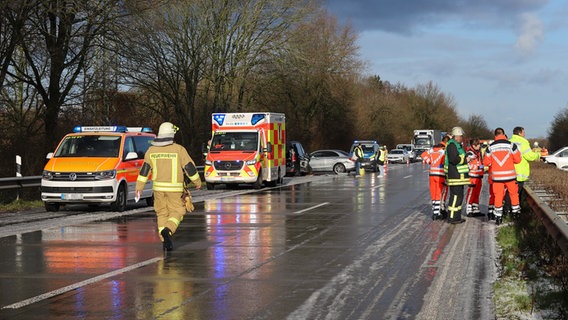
x=340, y=247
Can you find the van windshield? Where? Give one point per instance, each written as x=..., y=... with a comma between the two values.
x=234, y=141
x=102, y=146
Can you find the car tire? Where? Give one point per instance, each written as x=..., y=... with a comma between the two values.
x=119, y=205
x=339, y=168
x=210, y=186
x=51, y=207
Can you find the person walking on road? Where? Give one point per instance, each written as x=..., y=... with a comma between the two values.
x=523, y=168
x=168, y=162
x=456, y=169
x=501, y=157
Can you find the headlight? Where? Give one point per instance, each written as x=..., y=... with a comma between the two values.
x=103, y=175
x=47, y=175
x=250, y=162
x=207, y=162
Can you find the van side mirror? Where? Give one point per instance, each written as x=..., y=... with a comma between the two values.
x=131, y=156
x=49, y=155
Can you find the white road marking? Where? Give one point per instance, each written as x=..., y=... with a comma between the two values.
x=74, y=286
x=313, y=207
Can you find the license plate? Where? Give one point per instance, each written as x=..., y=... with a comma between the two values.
x=72, y=196
x=227, y=178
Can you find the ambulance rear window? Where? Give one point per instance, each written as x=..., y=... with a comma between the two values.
x=101, y=146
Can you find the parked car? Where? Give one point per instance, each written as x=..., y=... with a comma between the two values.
x=410, y=149
x=559, y=158
x=398, y=156
x=296, y=159
x=336, y=161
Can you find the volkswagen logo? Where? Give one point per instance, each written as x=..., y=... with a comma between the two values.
x=227, y=165
x=72, y=176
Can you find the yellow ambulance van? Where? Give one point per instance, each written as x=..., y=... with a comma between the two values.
x=95, y=165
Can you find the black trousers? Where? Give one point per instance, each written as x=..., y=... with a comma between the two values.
x=455, y=203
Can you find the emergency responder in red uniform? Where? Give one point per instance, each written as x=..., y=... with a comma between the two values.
x=476, y=171
x=434, y=157
x=168, y=162
x=455, y=166
x=501, y=157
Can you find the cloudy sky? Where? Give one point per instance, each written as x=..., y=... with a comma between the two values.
x=503, y=59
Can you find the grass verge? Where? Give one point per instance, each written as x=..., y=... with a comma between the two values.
x=533, y=281
x=19, y=205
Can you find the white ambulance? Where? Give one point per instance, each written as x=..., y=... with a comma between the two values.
x=247, y=148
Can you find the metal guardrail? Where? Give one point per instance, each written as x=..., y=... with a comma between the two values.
x=557, y=228
x=16, y=183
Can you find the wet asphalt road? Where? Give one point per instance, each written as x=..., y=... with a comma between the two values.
x=334, y=247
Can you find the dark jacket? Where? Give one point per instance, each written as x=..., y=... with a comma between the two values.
x=455, y=164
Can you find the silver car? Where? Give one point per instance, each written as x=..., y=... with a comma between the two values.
x=336, y=161
x=398, y=156
x=559, y=158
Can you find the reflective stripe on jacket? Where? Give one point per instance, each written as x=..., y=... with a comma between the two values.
x=501, y=157
x=455, y=164
x=435, y=158
x=523, y=168
x=166, y=163
x=475, y=164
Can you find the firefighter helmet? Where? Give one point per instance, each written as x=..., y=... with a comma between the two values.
x=457, y=131
x=167, y=130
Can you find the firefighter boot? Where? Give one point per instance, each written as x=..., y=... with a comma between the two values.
x=515, y=211
x=476, y=211
x=469, y=210
x=167, y=235
x=498, y=216
x=490, y=212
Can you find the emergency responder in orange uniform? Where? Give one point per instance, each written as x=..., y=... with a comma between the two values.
x=434, y=157
x=476, y=171
x=455, y=166
x=168, y=162
x=501, y=157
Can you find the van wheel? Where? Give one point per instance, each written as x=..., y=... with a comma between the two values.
x=258, y=183
x=51, y=207
x=210, y=186
x=120, y=204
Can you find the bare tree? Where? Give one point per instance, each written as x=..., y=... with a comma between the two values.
x=558, y=132
x=194, y=57
x=57, y=40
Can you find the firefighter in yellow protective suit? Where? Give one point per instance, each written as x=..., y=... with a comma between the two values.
x=168, y=162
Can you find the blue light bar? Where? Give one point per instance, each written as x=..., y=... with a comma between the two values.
x=99, y=129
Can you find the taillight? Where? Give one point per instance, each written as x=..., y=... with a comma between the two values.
x=294, y=157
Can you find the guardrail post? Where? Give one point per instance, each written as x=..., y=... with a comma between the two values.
x=18, y=173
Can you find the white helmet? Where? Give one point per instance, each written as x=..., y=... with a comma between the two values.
x=167, y=130
x=536, y=144
x=457, y=131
